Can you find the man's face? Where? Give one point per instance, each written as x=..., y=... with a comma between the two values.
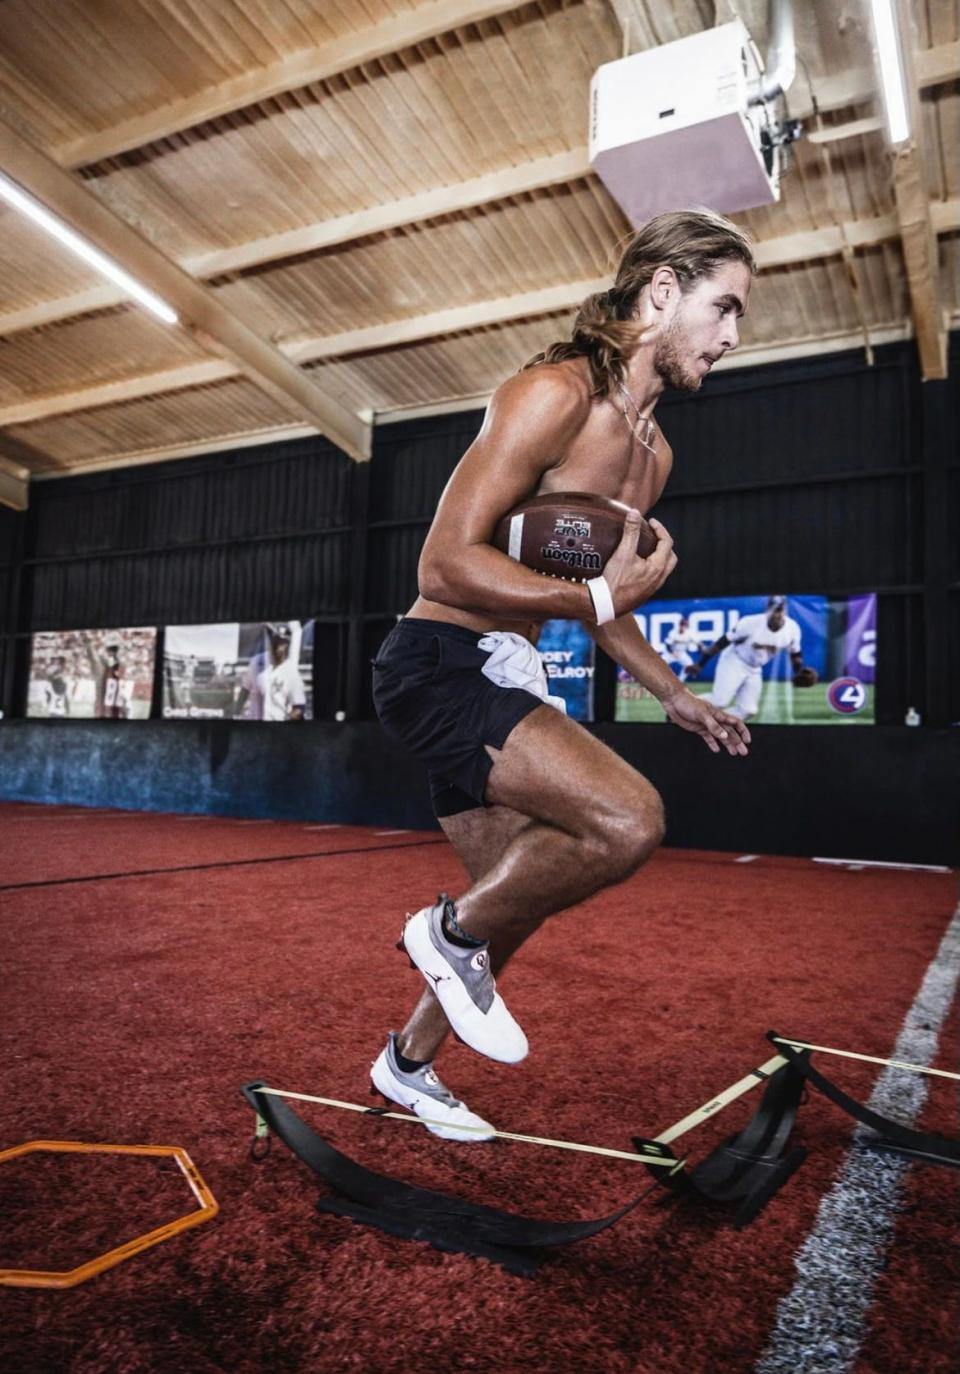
x=703, y=327
x=279, y=648
x=776, y=617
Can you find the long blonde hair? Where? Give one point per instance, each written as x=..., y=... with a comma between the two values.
x=693, y=242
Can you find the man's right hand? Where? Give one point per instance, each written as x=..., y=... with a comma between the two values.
x=631, y=579
x=694, y=672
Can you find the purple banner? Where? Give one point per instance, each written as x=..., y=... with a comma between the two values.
x=860, y=640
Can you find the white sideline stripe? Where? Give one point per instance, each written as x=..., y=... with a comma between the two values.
x=746, y=859
x=392, y=832
x=821, y=1323
x=336, y=826
x=880, y=863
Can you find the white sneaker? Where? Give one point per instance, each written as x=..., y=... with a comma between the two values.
x=464, y=985
x=426, y=1097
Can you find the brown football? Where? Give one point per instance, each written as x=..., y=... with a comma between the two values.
x=567, y=533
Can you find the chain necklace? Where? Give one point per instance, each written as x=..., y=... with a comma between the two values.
x=643, y=429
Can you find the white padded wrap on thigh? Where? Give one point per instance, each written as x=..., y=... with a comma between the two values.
x=514, y=662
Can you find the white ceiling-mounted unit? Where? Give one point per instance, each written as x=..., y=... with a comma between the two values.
x=675, y=127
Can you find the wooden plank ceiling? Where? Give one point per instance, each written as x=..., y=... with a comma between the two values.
x=370, y=205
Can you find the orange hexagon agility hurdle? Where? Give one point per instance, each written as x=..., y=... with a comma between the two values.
x=42, y=1278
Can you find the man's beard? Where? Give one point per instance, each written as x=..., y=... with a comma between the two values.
x=668, y=360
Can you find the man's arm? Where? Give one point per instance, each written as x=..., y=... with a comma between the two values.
x=530, y=422
x=622, y=640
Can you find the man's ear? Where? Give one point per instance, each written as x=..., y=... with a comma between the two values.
x=664, y=288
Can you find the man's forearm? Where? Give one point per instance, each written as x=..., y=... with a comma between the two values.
x=625, y=644
x=484, y=580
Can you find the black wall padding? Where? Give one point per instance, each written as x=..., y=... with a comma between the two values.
x=413, y=460
x=242, y=581
x=238, y=536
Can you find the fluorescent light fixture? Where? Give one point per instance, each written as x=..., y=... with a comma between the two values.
x=887, y=38
x=18, y=198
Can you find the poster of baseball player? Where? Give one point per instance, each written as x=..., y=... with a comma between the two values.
x=251, y=670
x=92, y=674
x=775, y=659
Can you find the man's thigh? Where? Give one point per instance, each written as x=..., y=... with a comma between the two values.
x=480, y=836
x=551, y=769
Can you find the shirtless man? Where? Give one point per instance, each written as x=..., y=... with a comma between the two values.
x=458, y=679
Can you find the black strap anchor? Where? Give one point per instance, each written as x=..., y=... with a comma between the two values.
x=749, y=1167
x=890, y=1135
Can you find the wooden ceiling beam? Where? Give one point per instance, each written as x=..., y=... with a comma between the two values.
x=289, y=73
x=14, y=484
x=933, y=66
x=201, y=313
x=308, y=347
x=46, y=469
x=911, y=177
x=534, y=175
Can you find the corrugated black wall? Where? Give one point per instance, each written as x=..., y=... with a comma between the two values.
x=821, y=475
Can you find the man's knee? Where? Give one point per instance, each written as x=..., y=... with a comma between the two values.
x=631, y=833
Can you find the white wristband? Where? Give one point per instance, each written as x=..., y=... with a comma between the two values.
x=602, y=600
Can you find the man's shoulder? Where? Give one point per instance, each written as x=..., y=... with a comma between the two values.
x=561, y=390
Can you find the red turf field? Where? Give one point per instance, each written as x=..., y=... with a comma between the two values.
x=152, y=964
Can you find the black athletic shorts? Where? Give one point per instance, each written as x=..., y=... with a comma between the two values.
x=430, y=694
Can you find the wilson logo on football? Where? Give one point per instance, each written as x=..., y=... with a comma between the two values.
x=572, y=558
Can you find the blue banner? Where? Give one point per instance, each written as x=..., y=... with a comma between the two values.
x=763, y=640
x=569, y=654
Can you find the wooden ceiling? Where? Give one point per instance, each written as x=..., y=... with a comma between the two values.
x=359, y=207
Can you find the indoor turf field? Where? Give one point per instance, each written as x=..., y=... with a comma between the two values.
x=153, y=964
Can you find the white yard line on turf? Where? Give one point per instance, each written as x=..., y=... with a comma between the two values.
x=746, y=859
x=821, y=1323
x=882, y=863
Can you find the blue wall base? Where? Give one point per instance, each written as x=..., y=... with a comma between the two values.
x=877, y=793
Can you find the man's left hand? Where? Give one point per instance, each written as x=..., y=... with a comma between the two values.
x=718, y=729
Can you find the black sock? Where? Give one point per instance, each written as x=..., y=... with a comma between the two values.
x=406, y=1065
x=452, y=931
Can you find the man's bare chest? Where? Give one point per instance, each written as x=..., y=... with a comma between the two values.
x=625, y=472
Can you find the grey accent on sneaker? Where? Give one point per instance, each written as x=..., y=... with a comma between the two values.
x=472, y=966
x=423, y=1080
x=423, y=1093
